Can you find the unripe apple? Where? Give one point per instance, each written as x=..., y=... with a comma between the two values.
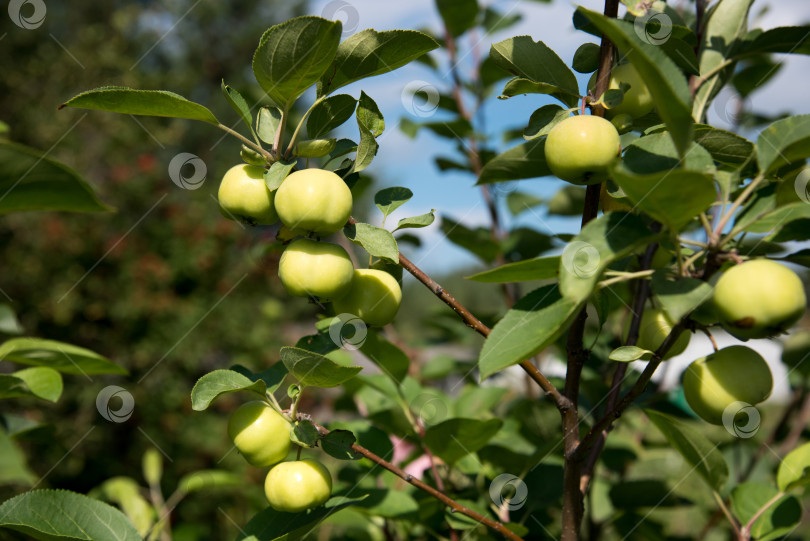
x=244, y=196
x=655, y=326
x=260, y=433
x=758, y=299
x=293, y=487
x=314, y=200
x=580, y=148
x=733, y=374
x=308, y=268
x=374, y=297
x=637, y=101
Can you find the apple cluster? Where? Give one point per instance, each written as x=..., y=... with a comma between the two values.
x=312, y=203
x=262, y=435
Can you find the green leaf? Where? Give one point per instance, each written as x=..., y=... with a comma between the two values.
x=65, y=358
x=390, y=199
x=532, y=324
x=660, y=195
x=415, y=222
x=13, y=387
x=391, y=360
x=338, y=444
x=209, y=479
x=13, y=467
x=272, y=525
x=374, y=240
x=456, y=438
x=235, y=99
x=519, y=202
x=370, y=437
x=780, y=217
x=777, y=521
x=59, y=514
x=293, y=55
x=274, y=176
x=267, y=122
x=219, y=382
x=119, y=99
x=663, y=78
x=722, y=34
x=541, y=268
x=31, y=181
x=543, y=119
x=125, y=493
x=369, y=53
x=679, y=296
x=568, y=201
x=43, y=382
x=802, y=257
x=794, y=470
x=527, y=160
x=586, y=58
x=656, y=152
x=272, y=377
x=495, y=21
x=783, y=39
x=369, y=115
x=315, y=370
x=635, y=493
x=152, y=466
x=329, y=114
x=9, y=324
x=366, y=150
x=725, y=147
x=694, y=447
x=626, y=354
x=536, y=62
x=387, y=503
x=601, y=242
x=783, y=142
x=315, y=148
x=458, y=15
x=479, y=241
x=304, y=433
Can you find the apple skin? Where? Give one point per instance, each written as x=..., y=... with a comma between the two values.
x=293, y=487
x=654, y=327
x=314, y=200
x=260, y=433
x=374, y=297
x=758, y=299
x=733, y=374
x=244, y=195
x=637, y=101
x=580, y=148
x=309, y=268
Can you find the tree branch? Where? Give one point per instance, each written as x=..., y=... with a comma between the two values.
x=408, y=478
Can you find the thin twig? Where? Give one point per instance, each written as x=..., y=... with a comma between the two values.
x=265, y=154
x=448, y=501
x=721, y=224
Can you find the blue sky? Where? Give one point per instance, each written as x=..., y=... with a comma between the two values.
x=405, y=162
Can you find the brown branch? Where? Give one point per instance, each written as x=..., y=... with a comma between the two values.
x=408, y=478
x=573, y=497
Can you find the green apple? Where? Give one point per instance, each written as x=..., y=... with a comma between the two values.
x=580, y=148
x=244, y=196
x=293, y=487
x=637, y=101
x=309, y=268
x=758, y=299
x=733, y=374
x=314, y=200
x=654, y=327
x=260, y=433
x=374, y=297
